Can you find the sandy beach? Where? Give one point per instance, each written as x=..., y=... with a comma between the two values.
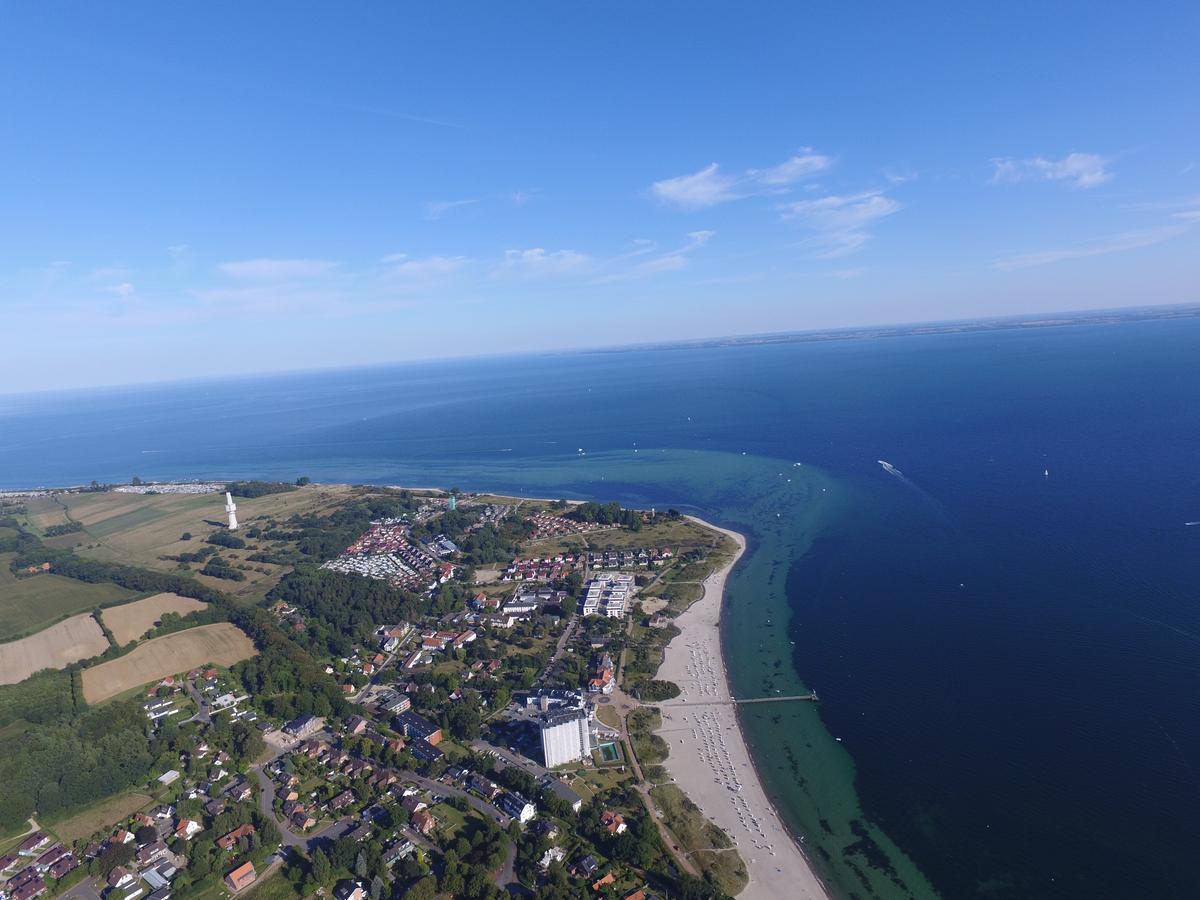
x=709, y=759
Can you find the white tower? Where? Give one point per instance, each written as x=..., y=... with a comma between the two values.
x=231, y=508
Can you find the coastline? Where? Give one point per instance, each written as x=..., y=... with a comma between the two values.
x=708, y=756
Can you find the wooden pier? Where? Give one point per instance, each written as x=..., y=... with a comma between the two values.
x=672, y=704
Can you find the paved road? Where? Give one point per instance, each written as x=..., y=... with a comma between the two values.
x=303, y=843
x=203, y=711
x=559, y=648
x=85, y=890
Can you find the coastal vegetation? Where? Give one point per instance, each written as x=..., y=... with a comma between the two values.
x=251, y=489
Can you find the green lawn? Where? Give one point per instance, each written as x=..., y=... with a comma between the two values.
x=30, y=604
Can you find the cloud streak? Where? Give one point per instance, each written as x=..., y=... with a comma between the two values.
x=657, y=263
x=710, y=186
x=1118, y=243
x=840, y=221
x=1079, y=170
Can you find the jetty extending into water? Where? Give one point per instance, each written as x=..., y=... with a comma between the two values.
x=812, y=696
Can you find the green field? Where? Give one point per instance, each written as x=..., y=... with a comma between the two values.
x=28, y=605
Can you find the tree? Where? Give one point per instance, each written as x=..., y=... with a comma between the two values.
x=114, y=855
x=425, y=889
x=321, y=868
x=147, y=834
x=360, y=866
x=377, y=888
x=186, y=536
x=303, y=480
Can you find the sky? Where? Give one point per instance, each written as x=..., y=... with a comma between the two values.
x=200, y=189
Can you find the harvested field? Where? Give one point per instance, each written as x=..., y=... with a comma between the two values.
x=73, y=639
x=99, y=816
x=130, y=621
x=223, y=644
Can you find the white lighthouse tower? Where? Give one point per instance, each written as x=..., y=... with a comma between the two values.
x=231, y=508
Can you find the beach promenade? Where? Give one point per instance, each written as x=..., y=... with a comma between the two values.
x=709, y=759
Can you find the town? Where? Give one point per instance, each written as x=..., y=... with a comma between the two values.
x=451, y=695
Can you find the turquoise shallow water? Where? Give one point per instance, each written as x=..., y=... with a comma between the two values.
x=1010, y=659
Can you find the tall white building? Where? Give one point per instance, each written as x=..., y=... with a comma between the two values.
x=565, y=736
x=231, y=508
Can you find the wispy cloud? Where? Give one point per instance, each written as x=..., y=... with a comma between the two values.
x=400, y=265
x=1080, y=170
x=1118, y=243
x=900, y=174
x=840, y=222
x=710, y=186
x=657, y=262
x=537, y=262
x=699, y=190
x=266, y=269
x=435, y=209
x=124, y=289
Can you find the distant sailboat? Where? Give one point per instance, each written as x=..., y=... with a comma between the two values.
x=1046, y=473
x=1191, y=523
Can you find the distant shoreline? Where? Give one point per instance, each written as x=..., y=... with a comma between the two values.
x=869, y=332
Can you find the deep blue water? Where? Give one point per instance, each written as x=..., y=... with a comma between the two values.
x=1011, y=660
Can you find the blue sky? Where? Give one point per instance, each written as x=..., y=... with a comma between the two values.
x=253, y=187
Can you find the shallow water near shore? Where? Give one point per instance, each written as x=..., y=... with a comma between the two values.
x=1008, y=657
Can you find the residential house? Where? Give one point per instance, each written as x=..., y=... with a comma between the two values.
x=119, y=877
x=33, y=888
x=412, y=803
x=187, y=829
x=34, y=844
x=518, y=807
x=241, y=877
x=613, y=823
x=229, y=840
x=423, y=821
x=151, y=853
x=49, y=858
x=304, y=726
x=65, y=865
x=345, y=798
x=402, y=849
x=349, y=890
x=585, y=865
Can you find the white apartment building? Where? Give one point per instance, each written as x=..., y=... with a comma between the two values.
x=608, y=594
x=565, y=736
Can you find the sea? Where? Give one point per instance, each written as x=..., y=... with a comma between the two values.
x=1004, y=629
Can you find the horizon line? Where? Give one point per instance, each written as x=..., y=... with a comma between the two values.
x=1062, y=318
